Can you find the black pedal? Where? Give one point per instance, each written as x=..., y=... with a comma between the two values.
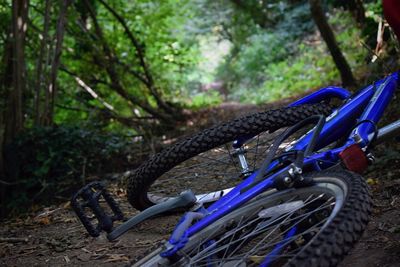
x=88, y=197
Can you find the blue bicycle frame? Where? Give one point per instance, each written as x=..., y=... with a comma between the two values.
x=359, y=116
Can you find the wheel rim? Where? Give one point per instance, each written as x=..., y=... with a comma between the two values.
x=255, y=236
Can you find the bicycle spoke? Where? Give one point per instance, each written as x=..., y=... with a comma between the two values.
x=231, y=158
x=255, y=157
x=232, y=239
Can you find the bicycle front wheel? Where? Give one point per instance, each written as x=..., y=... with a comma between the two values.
x=311, y=226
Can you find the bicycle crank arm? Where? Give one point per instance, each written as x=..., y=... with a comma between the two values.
x=185, y=199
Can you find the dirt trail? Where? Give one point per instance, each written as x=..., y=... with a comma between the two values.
x=53, y=236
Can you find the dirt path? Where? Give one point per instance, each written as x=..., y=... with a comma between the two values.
x=53, y=236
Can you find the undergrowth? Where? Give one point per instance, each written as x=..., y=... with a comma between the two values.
x=51, y=162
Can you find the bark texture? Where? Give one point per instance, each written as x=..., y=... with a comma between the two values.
x=330, y=40
x=13, y=90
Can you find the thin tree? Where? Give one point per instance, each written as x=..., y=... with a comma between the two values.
x=51, y=91
x=39, y=83
x=13, y=84
x=330, y=40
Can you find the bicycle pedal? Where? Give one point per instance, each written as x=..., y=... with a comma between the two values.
x=88, y=199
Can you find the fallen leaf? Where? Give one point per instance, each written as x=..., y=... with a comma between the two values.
x=117, y=257
x=66, y=205
x=68, y=220
x=44, y=220
x=85, y=250
x=256, y=259
x=84, y=257
x=371, y=181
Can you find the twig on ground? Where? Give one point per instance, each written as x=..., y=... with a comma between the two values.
x=46, y=213
x=14, y=239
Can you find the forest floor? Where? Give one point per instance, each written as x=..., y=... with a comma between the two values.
x=53, y=236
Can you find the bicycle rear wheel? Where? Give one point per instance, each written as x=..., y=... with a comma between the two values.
x=207, y=163
x=312, y=226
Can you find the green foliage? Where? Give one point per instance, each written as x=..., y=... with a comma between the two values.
x=53, y=162
x=158, y=26
x=205, y=99
x=280, y=63
x=5, y=19
x=373, y=15
x=265, y=41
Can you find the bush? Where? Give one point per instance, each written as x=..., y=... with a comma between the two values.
x=269, y=73
x=52, y=162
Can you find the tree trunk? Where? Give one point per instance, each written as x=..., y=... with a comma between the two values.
x=14, y=85
x=330, y=40
x=52, y=86
x=6, y=86
x=14, y=122
x=39, y=68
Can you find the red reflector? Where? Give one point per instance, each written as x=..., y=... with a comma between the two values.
x=354, y=158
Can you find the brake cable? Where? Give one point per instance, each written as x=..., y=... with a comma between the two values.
x=318, y=120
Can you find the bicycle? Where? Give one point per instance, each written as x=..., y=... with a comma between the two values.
x=307, y=205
